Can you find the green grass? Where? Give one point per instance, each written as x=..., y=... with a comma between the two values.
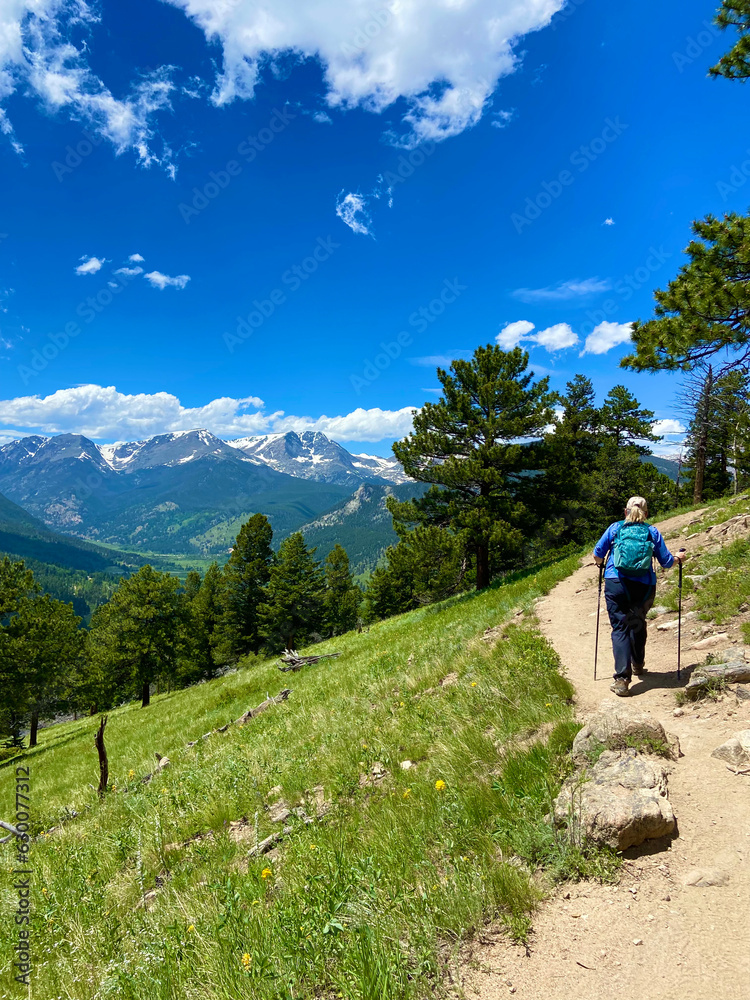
x=370, y=902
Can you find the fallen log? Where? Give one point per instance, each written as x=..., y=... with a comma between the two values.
x=720, y=673
x=12, y=830
x=293, y=661
x=264, y=705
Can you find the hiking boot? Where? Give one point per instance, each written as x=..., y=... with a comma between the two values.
x=639, y=668
x=620, y=687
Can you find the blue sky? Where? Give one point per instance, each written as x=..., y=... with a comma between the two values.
x=307, y=187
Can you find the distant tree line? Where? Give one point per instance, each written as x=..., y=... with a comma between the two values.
x=155, y=630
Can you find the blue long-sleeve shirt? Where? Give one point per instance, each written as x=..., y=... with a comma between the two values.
x=606, y=545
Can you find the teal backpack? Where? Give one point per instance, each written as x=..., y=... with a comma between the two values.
x=633, y=549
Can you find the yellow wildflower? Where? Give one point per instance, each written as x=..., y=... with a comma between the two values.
x=440, y=785
x=246, y=960
x=131, y=773
x=44, y=891
x=256, y=902
x=407, y=793
x=266, y=873
x=191, y=928
x=163, y=791
x=313, y=847
x=473, y=684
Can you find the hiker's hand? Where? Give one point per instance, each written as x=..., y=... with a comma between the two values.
x=598, y=560
x=681, y=556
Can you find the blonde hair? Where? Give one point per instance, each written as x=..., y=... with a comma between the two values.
x=636, y=511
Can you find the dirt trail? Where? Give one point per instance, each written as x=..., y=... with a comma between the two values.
x=694, y=940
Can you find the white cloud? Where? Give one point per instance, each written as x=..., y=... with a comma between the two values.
x=556, y=338
x=513, y=333
x=352, y=210
x=439, y=360
x=136, y=258
x=563, y=292
x=162, y=281
x=39, y=57
x=103, y=413
x=129, y=272
x=668, y=426
x=605, y=336
x=553, y=338
x=503, y=118
x=443, y=59
x=322, y=118
x=91, y=265
x=608, y=222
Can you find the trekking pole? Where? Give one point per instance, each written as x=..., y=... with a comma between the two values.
x=598, y=612
x=679, y=619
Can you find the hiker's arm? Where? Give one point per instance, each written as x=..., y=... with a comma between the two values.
x=662, y=553
x=603, y=546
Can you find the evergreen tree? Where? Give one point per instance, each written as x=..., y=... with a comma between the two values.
x=16, y=584
x=467, y=446
x=207, y=623
x=735, y=65
x=139, y=634
x=294, y=604
x=428, y=565
x=192, y=585
x=717, y=435
x=571, y=447
x=623, y=421
x=704, y=313
x=343, y=597
x=246, y=573
x=46, y=647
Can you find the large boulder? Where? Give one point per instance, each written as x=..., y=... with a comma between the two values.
x=620, y=801
x=616, y=726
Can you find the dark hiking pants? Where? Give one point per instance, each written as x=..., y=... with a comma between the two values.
x=627, y=606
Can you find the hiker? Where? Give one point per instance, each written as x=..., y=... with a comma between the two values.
x=630, y=586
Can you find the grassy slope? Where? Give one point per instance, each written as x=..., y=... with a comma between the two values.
x=364, y=904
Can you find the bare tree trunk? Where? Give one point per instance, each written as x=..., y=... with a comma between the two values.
x=702, y=421
x=34, y=727
x=146, y=695
x=483, y=566
x=102, y=751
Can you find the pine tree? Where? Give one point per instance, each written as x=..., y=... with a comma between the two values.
x=624, y=422
x=467, y=446
x=735, y=65
x=207, y=623
x=139, y=634
x=16, y=584
x=294, y=600
x=246, y=573
x=46, y=646
x=704, y=313
x=343, y=597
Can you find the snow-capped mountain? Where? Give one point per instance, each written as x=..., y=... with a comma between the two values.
x=312, y=455
x=166, y=450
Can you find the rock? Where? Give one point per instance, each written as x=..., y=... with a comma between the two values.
x=677, y=713
x=743, y=694
x=317, y=798
x=695, y=578
x=735, y=671
x=620, y=802
x=711, y=641
x=452, y=678
x=660, y=609
x=736, y=750
x=700, y=877
x=667, y=626
x=614, y=726
x=406, y=765
x=161, y=762
x=279, y=812
x=716, y=570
